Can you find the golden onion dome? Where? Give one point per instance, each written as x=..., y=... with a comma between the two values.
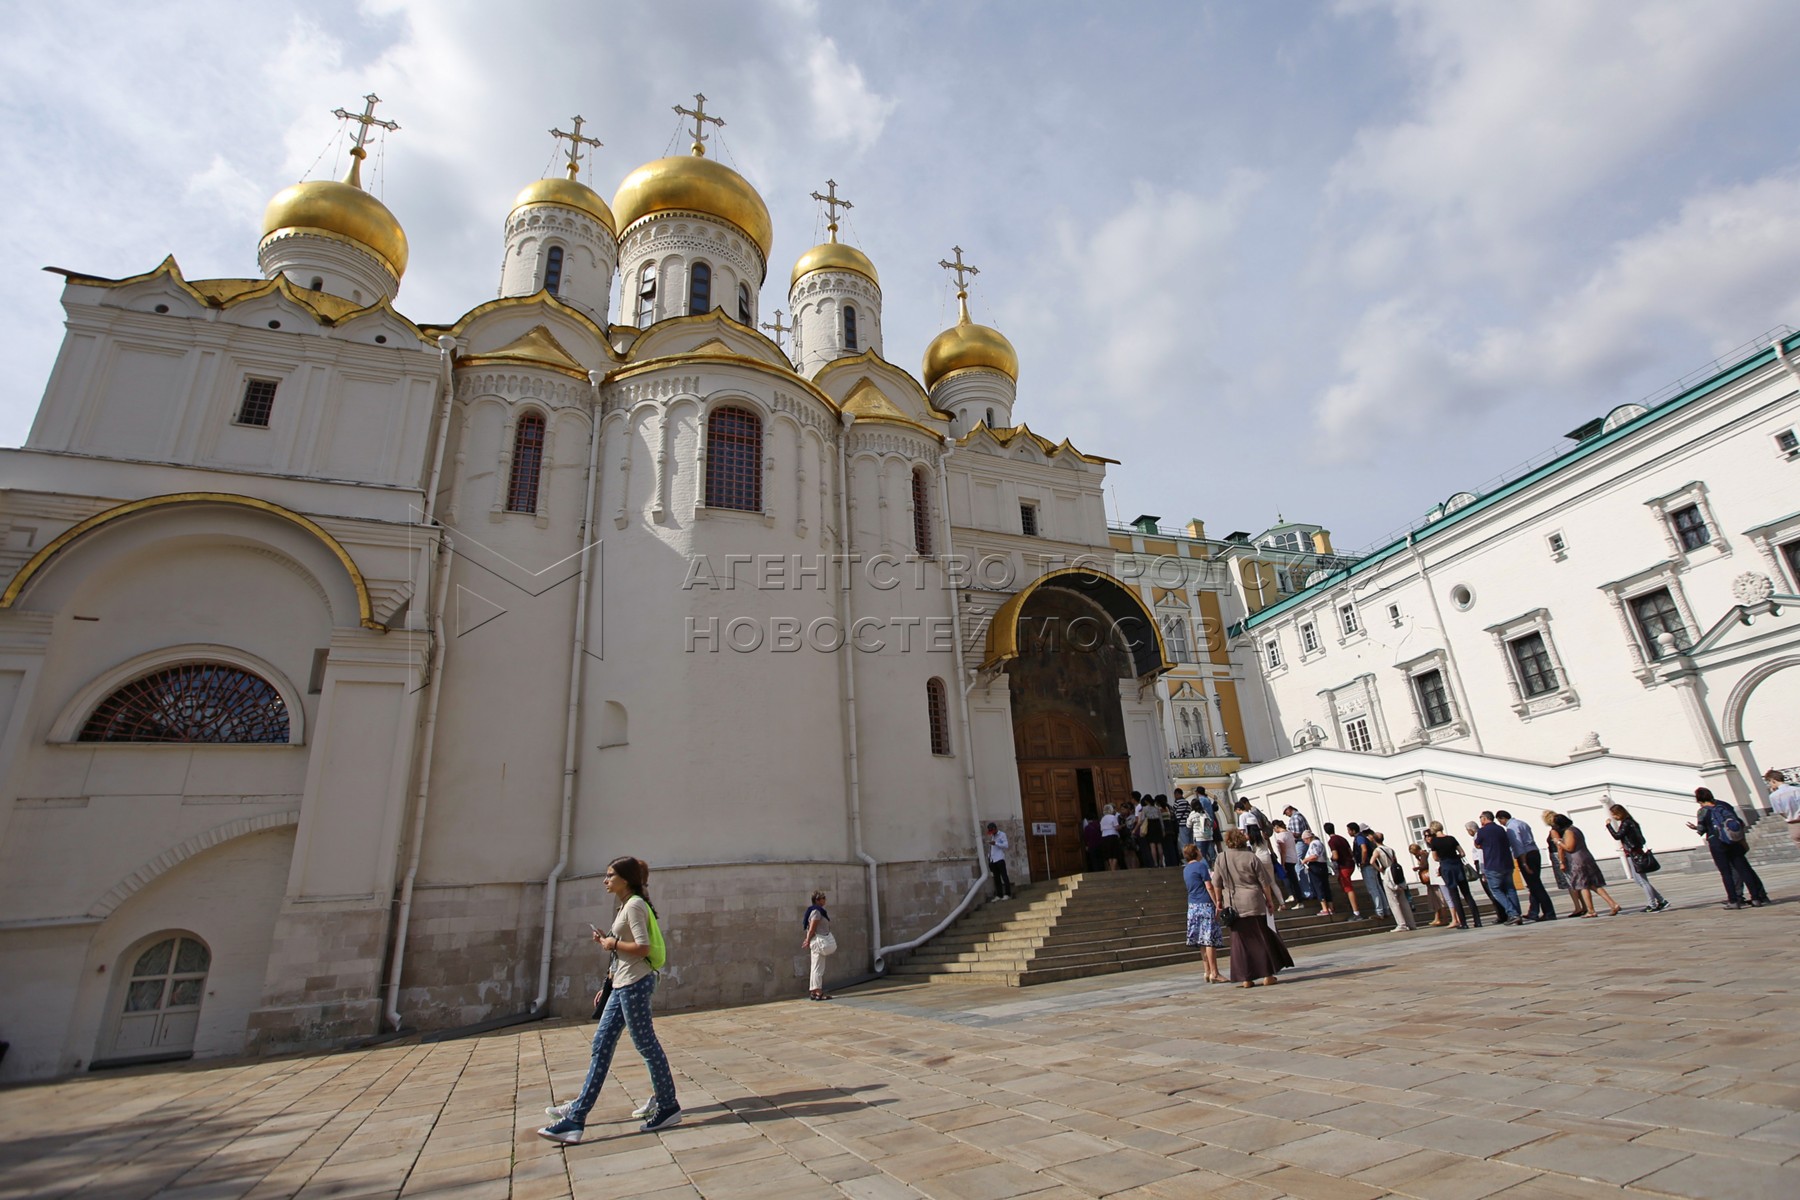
x=569, y=193
x=696, y=183
x=340, y=210
x=966, y=344
x=834, y=256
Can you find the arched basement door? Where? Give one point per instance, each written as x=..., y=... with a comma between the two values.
x=161, y=1003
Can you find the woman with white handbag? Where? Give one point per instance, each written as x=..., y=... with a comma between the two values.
x=819, y=939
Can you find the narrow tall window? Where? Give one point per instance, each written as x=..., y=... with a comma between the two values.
x=646, y=296
x=1028, y=520
x=1531, y=660
x=1347, y=619
x=921, y=499
x=699, y=289
x=1309, y=638
x=527, y=465
x=1690, y=527
x=258, y=402
x=937, y=710
x=1176, y=639
x=849, y=327
x=990, y=418
x=744, y=303
x=1272, y=650
x=553, y=270
x=734, y=460
x=1656, y=614
x=1791, y=552
x=1434, y=700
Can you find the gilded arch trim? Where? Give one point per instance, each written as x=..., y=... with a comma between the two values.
x=169, y=859
x=1120, y=601
x=41, y=559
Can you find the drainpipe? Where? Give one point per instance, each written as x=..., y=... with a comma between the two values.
x=435, y=623
x=847, y=676
x=968, y=739
x=572, y=730
x=1449, y=650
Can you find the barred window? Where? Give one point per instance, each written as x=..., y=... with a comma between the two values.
x=734, y=460
x=699, y=289
x=527, y=465
x=937, y=707
x=193, y=702
x=258, y=402
x=1531, y=658
x=553, y=263
x=1028, y=520
x=921, y=499
x=849, y=327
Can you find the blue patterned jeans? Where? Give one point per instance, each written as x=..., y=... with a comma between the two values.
x=626, y=1008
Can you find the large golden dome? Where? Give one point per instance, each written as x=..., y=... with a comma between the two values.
x=699, y=184
x=834, y=256
x=340, y=210
x=569, y=193
x=966, y=344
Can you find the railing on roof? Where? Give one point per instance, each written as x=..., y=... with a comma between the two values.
x=1652, y=401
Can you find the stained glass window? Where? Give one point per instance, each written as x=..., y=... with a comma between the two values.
x=527, y=465
x=193, y=702
x=734, y=460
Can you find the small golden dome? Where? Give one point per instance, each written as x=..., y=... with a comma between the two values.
x=966, y=344
x=570, y=194
x=834, y=256
x=340, y=210
x=696, y=183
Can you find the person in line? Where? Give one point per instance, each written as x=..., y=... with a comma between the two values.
x=1286, y=852
x=1497, y=868
x=1393, y=881
x=1150, y=833
x=1297, y=824
x=1171, y=838
x=996, y=852
x=1440, y=912
x=1784, y=799
x=1203, y=800
x=627, y=1006
x=1344, y=863
x=1203, y=821
x=1315, y=862
x=1728, y=841
x=1475, y=873
x=1552, y=845
x=1453, y=878
x=1625, y=830
x=1181, y=809
x=1109, y=837
x=1203, y=927
x=1246, y=882
x=1090, y=843
x=1531, y=865
x=1255, y=825
x=1361, y=847
x=818, y=938
x=1584, y=873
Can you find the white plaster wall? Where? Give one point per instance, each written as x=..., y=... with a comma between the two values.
x=816, y=308
x=674, y=241
x=589, y=255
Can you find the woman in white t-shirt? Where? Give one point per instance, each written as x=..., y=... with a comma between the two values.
x=1109, y=838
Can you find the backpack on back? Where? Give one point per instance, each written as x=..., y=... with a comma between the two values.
x=1731, y=828
x=659, y=949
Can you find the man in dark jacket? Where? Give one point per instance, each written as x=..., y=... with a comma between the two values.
x=1727, y=840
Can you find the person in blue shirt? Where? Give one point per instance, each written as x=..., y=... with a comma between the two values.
x=1203, y=926
x=1497, y=868
x=1531, y=865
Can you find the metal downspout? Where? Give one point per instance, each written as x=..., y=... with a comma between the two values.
x=577, y=675
x=847, y=675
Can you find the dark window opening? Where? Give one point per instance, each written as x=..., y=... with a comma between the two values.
x=527, y=465
x=1690, y=527
x=938, y=713
x=921, y=498
x=1434, y=698
x=193, y=702
x=258, y=402
x=734, y=460
x=646, y=296
x=1028, y=520
x=744, y=303
x=699, y=289
x=1655, y=613
x=1532, y=659
x=553, y=270
x=849, y=327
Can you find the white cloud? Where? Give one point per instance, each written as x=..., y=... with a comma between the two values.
x=843, y=106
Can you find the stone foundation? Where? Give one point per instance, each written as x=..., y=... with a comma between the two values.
x=322, y=987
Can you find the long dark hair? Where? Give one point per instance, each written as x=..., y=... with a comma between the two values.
x=634, y=871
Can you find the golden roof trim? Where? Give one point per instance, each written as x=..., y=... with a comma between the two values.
x=540, y=298
x=537, y=347
x=870, y=360
x=631, y=370
x=726, y=323
x=1049, y=448
x=1003, y=630
x=868, y=403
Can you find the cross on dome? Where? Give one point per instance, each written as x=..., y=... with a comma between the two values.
x=961, y=269
x=701, y=121
x=366, y=120
x=777, y=328
x=832, y=204
x=576, y=142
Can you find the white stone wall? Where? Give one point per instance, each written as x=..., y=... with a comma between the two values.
x=673, y=241
x=590, y=254
x=816, y=306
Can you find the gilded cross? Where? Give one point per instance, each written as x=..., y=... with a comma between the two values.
x=576, y=142
x=701, y=121
x=777, y=328
x=366, y=119
x=832, y=204
x=962, y=269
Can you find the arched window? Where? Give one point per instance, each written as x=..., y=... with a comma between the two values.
x=849, y=327
x=646, y=296
x=527, y=465
x=744, y=303
x=734, y=460
x=192, y=702
x=921, y=498
x=937, y=711
x=699, y=289
x=161, y=1006
x=553, y=270
x=990, y=418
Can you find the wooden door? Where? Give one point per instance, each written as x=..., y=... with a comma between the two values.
x=1052, y=795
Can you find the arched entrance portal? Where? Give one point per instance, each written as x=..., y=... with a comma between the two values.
x=1068, y=642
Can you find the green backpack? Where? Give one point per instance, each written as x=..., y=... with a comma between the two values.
x=659, y=949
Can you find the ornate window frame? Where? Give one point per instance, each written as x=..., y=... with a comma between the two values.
x=1563, y=696
x=1274, y=659
x=1621, y=592
x=1770, y=540
x=1665, y=507
x=66, y=729
x=1429, y=735
x=1359, y=698
x=1318, y=643
x=1352, y=629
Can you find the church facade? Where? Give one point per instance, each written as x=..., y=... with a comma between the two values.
x=340, y=651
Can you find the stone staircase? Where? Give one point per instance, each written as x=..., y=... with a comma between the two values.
x=1095, y=923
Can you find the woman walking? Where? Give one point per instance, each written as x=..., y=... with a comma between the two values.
x=1203, y=928
x=821, y=941
x=1584, y=873
x=1246, y=883
x=1625, y=831
x=1553, y=849
x=627, y=1006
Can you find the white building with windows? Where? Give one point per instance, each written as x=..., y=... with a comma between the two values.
x=1613, y=626
x=341, y=651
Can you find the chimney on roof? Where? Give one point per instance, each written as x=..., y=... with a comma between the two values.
x=1196, y=528
x=1321, y=540
x=1145, y=524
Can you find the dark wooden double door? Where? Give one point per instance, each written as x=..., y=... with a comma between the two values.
x=1064, y=778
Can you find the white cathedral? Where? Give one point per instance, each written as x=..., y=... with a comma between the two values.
x=340, y=652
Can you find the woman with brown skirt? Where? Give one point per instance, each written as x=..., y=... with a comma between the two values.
x=1247, y=883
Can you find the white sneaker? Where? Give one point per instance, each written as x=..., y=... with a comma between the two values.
x=643, y=1110
x=559, y=1111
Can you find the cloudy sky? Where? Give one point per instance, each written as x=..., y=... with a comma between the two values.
x=1330, y=260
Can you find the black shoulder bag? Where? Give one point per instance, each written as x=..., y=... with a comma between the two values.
x=1228, y=916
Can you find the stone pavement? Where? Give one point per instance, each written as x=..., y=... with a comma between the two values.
x=1636, y=1056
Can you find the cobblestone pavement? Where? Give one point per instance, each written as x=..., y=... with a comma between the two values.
x=1637, y=1056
